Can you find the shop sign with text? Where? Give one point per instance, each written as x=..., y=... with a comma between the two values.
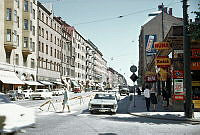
x=195, y=66
x=161, y=45
x=162, y=62
x=151, y=78
x=178, y=74
x=195, y=53
x=178, y=89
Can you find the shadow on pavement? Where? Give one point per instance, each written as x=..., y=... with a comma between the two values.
x=107, y=134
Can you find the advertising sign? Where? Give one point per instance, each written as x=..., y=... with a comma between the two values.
x=195, y=66
x=196, y=103
x=162, y=62
x=178, y=89
x=195, y=53
x=178, y=74
x=161, y=45
x=149, y=44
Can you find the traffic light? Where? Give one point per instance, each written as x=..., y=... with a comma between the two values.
x=134, y=77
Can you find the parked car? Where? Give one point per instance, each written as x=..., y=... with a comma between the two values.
x=103, y=102
x=124, y=91
x=14, y=95
x=41, y=94
x=116, y=92
x=27, y=93
x=14, y=117
x=57, y=92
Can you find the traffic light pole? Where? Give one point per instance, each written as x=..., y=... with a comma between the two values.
x=187, y=63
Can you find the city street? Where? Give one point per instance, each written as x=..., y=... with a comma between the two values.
x=80, y=122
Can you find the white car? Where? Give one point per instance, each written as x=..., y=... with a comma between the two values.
x=103, y=102
x=41, y=94
x=27, y=93
x=116, y=92
x=14, y=117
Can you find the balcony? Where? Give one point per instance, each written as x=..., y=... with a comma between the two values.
x=26, y=51
x=9, y=46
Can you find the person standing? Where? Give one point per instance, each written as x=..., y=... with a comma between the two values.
x=147, y=97
x=153, y=99
x=66, y=100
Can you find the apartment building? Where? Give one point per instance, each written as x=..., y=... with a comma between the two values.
x=18, y=29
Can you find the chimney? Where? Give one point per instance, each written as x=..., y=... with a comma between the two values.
x=170, y=11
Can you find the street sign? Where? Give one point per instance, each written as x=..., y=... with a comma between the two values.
x=133, y=68
x=133, y=77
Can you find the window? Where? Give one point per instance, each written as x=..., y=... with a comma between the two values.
x=46, y=35
x=78, y=65
x=51, y=53
x=55, y=40
x=39, y=30
x=8, y=14
x=15, y=36
x=18, y=21
x=17, y=3
x=8, y=35
x=47, y=20
x=15, y=15
x=51, y=38
x=16, y=59
x=39, y=14
x=33, y=46
x=25, y=5
x=42, y=32
x=51, y=23
x=58, y=54
x=31, y=7
x=31, y=25
x=46, y=49
x=34, y=14
x=42, y=47
x=25, y=42
x=33, y=30
x=55, y=53
x=32, y=63
x=17, y=40
x=39, y=46
x=25, y=24
x=42, y=17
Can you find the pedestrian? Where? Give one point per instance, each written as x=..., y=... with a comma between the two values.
x=66, y=100
x=138, y=91
x=147, y=97
x=153, y=98
x=166, y=95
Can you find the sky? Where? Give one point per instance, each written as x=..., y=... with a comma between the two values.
x=115, y=36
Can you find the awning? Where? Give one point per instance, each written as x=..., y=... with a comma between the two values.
x=32, y=83
x=9, y=77
x=75, y=83
x=45, y=82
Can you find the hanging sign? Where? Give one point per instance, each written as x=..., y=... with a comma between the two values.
x=178, y=74
x=178, y=86
x=195, y=66
x=161, y=45
x=162, y=62
x=195, y=53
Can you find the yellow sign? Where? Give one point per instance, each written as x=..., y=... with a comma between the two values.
x=195, y=83
x=161, y=45
x=162, y=62
x=196, y=103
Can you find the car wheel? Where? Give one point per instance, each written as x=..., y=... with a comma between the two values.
x=14, y=133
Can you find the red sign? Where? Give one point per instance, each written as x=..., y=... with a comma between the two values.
x=178, y=97
x=195, y=53
x=161, y=45
x=195, y=66
x=178, y=74
x=151, y=78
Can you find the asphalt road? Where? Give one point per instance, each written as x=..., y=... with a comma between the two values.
x=80, y=122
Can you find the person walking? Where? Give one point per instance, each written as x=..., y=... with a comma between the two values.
x=147, y=97
x=153, y=99
x=66, y=100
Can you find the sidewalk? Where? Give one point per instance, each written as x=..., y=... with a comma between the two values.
x=160, y=113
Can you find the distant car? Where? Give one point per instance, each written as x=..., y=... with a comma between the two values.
x=27, y=93
x=41, y=94
x=124, y=91
x=77, y=90
x=103, y=102
x=14, y=117
x=14, y=95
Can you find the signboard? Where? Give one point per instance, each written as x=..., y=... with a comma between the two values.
x=178, y=97
x=162, y=62
x=195, y=66
x=149, y=44
x=133, y=68
x=196, y=103
x=162, y=45
x=195, y=53
x=178, y=86
x=178, y=74
x=151, y=78
x=195, y=83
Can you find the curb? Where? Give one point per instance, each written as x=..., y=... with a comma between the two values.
x=148, y=116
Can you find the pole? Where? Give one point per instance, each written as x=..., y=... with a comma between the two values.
x=134, y=95
x=187, y=63
x=162, y=22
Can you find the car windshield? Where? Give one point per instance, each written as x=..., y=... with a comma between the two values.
x=4, y=99
x=104, y=96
